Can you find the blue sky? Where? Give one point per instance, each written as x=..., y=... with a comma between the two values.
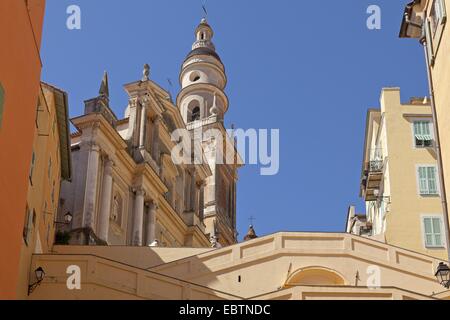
x=308, y=68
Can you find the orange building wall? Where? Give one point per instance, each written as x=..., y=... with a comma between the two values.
x=20, y=68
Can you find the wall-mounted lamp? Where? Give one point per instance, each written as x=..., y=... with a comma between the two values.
x=40, y=274
x=443, y=275
x=67, y=219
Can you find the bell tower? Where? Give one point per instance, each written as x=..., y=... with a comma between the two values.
x=203, y=80
x=203, y=104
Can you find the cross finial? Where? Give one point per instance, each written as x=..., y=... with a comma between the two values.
x=251, y=219
x=204, y=9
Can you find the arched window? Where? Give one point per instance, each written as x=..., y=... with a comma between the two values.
x=194, y=77
x=116, y=213
x=195, y=114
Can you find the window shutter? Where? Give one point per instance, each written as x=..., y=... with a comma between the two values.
x=429, y=43
x=423, y=180
x=437, y=232
x=427, y=129
x=432, y=186
x=428, y=228
x=417, y=128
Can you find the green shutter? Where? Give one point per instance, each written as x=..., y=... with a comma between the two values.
x=437, y=232
x=432, y=186
x=417, y=131
x=422, y=131
x=428, y=228
x=433, y=232
x=2, y=100
x=423, y=180
x=426, y=128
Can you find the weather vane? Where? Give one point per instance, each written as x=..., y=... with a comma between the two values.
x=251, y=219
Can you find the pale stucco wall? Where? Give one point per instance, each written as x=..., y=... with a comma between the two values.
x=279, y=260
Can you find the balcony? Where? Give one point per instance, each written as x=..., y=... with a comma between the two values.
x=371, y=182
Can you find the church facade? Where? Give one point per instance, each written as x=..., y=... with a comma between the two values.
x=128, y=186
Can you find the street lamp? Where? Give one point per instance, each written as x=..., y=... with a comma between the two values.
x=67, y=219
x=40, y=274
x=443, y=275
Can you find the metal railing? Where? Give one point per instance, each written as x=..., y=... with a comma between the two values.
x=376, y=162
x=376, y=166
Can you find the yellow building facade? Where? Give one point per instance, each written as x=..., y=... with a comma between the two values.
x=49, y=165
x=400, y=177
x=426, y=20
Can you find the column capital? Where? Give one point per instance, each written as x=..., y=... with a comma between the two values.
x=144, y=101
x=93, y=146
x=154, y=205
x=140, y=191
x=108, y=160
x=133, y=102
x=201, y=184
x=90, y=145
x=109, y=165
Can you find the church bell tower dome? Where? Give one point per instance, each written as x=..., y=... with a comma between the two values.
x=203, y=79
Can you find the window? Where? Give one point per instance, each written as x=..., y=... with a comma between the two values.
x=48, y=234
x=49, y=168
x=30, y=220
x=33, y=163
x=195, y=114
x=45, y=211
x=438, y=15
x=194, y=77
x=428, y=181
x=2, y=100
x=53, y=193
x=422, y=134
x=432, y=227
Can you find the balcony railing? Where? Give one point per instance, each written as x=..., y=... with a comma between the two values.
x=376, y=166
x=373, y=175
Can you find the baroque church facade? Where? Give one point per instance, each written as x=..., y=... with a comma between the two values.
x=127, y=190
